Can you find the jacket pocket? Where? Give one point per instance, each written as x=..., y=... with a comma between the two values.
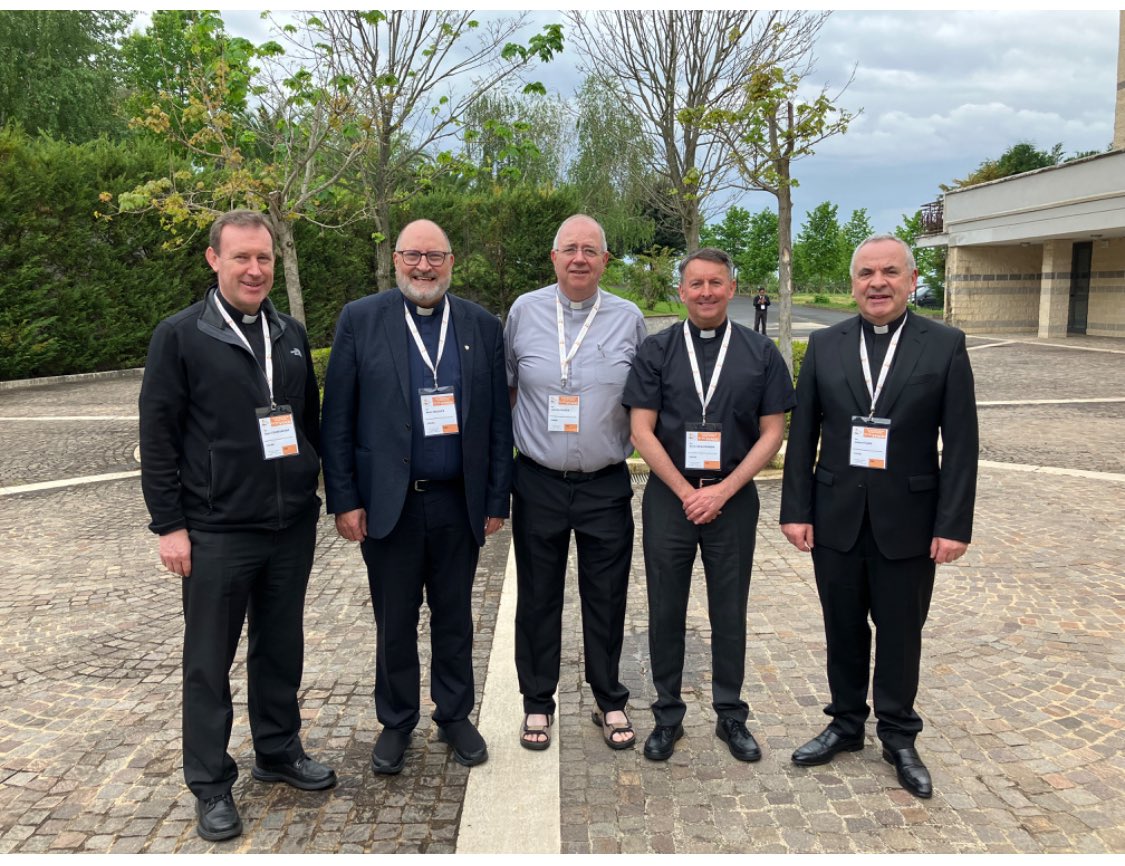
x=920, y=483
x=823, y=476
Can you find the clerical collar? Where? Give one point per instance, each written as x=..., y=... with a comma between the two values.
x=710, y=333
x=577, y=305
x=888, y=328
x=423, y=311
x=235, y=313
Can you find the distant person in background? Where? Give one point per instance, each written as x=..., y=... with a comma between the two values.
x=761, y=304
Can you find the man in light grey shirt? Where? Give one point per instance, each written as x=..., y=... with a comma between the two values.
x=569, y=348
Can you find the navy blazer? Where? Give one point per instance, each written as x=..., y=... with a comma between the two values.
x=365, y=425
x=929, y=390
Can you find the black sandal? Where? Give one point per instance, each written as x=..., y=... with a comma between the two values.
x=608, y=730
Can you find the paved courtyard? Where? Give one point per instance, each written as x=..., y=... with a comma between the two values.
x=1022, y=695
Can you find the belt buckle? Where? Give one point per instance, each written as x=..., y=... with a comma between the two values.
x=419, y=485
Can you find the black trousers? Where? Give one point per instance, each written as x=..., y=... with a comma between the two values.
x=431, y=549
x=726, y=545
x=545, y=509
x=896, y=594
x=259, y=577
x=760, y=320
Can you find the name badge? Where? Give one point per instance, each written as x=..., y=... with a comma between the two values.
x=703, y=447
x=869, y=442
x=562, y=413
x=439, y=411
x=279, y=433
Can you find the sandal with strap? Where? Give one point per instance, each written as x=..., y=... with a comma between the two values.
x=608, y=731
x=536, y=730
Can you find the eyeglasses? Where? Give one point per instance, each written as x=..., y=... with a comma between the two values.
x=436, y=258
x=587, y=252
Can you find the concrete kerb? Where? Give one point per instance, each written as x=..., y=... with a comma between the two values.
x=45, y=381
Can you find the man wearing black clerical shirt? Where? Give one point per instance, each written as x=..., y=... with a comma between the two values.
x=875, y=507
x=417, y=465
x=707, y=401
x=229, y=432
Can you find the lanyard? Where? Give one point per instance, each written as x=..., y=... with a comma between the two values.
x=866, y=364
x=566, y=357
x=706, y=400
x=433, y=365
x=265, y=337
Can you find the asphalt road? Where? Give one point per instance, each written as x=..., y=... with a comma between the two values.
x=805, y=319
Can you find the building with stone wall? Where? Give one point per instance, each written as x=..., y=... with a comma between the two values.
x=1041, y=252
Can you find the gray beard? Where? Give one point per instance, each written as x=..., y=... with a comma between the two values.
x=420, y=299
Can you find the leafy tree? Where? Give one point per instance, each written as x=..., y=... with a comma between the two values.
x=648, y=277
x=773, y=129
x=672, y=67
x=415, y=74
x=609, y=171
x=818, y=250
x=751, y=241
x=59, y=72
x=516, y=136
x=731, y=235
x=284, y=155
x=1017, y=159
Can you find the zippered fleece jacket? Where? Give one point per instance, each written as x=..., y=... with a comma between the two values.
x=202, y=462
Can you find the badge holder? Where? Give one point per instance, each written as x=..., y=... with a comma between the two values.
x=439, y=411
x=870, y=437
x=279, y=433
x=703, y=447
x=563, y=411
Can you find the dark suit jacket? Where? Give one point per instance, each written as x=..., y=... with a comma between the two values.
x=929, y=389
x=365, y=427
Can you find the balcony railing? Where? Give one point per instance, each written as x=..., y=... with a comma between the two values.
x=933, y=217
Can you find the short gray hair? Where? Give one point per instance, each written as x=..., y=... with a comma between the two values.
x=911, y=265
x=579, y=216
x=243, y=219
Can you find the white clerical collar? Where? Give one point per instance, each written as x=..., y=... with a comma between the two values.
x=577, y=305
x=881, y=329
x=234, y=311
x=424, y=311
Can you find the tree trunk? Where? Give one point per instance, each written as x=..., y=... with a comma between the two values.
x=785, y=264
x=384, y=250
x=284, y=230
x=691, y=229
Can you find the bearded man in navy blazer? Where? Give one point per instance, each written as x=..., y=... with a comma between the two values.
x=417, y=446
x=877, y=509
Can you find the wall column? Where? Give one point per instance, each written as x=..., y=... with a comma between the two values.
x=1054, y=291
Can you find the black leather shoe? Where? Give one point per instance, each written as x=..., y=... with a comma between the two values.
x=661, y=743
x=303, y=773
x=738, y=739
x=912, y=773
x=824, y=747
x=464, y=739
x=218, y=818
x=389, y=755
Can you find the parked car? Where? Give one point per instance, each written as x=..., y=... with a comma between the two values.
x=925, y=296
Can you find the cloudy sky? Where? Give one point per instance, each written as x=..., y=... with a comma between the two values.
x=939, y=92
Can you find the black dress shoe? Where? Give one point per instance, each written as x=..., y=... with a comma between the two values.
x=740, y=741
x=824, y=747
x=389, y=755
x=464, y=739
x=661, y=743
x=912, y=773
x=303, y=773
x=218, y=818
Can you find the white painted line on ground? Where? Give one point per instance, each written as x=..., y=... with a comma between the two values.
x=1035, y=341
x=1050, y=402
x=989, y=345
x=71, y=418
x=68, y=482
x=511, y=801
x=1053, y=470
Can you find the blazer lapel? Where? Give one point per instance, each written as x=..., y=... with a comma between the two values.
x=849, y=363
x=467, y=346
x=394, y=326
x=908, y=353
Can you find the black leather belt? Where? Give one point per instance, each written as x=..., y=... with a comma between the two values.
x=423, y=485
x=572, y=474
x=706, y=482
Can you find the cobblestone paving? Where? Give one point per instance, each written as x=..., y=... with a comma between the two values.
x=1021, y=684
